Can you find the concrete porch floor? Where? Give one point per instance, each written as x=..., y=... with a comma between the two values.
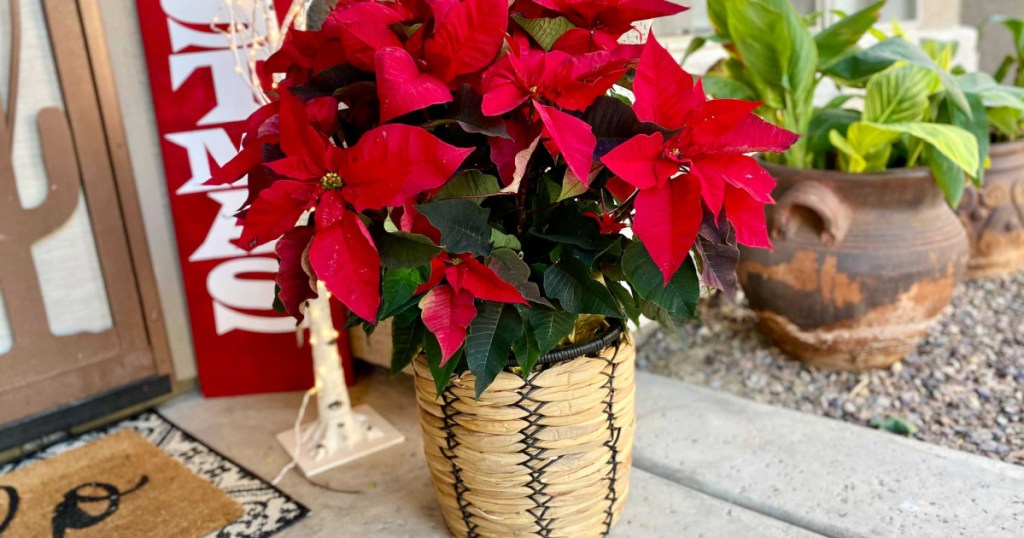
x=705, y=464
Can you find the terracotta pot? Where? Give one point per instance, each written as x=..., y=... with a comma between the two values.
x=862, y=265
x=994, y=215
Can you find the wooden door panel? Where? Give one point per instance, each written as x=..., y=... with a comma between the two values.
x=84, y=152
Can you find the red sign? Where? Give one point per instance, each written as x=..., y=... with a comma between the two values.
x=242, y=345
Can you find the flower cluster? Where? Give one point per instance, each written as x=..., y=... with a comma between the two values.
x=473, y=169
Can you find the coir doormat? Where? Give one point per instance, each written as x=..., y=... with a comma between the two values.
x=140, y=477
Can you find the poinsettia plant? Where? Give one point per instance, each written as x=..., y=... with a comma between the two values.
x=474, y=171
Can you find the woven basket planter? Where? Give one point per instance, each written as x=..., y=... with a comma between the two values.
x=545, y=456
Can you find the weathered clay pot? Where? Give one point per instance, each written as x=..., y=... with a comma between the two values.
x=994, y=215
x=862, y=265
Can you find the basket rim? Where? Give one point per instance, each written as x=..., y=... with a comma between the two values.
x=610, y=338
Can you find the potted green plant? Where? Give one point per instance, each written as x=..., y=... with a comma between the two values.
x=467, y=171
x=867, y=250
x=993, y=213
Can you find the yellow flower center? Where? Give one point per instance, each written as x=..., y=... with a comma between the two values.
x=331, y=181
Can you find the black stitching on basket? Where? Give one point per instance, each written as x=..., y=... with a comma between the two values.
x=589, y=349
x=612, y=442
x=534, y=455
x=452, y=443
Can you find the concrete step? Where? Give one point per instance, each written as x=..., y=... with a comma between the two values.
x=389, y=494
x=820, y=474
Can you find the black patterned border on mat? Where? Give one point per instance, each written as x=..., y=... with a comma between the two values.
x=268, y=510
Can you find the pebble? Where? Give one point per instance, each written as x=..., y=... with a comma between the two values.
x=961, y=388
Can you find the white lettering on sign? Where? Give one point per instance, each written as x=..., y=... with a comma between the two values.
x=201, y=145
x=233, y=292
x=225, y=229
x=234, y=98
x=241, y=287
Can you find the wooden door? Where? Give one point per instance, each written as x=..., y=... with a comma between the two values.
x=50, y=379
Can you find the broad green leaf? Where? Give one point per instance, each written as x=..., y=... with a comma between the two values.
x=406, y=342
x=571, y=283
x=525, y=347
x=955, y=143
x=442, y=374
x=472, y=184
x=545, y=31
x=824, y=121
x=462, y=223
x=1005, y=121
x=788, y=62
x=897, y=95
x=491, y=335
x=550, y=326
x=721, y=87
x=843, y=35
x=948, y=175
x=859, y=64
x=571, y=186
x=850, y=159
x=977, y=124
x=626, y=299
x=397, y=289
x=404, y=249
x=719, y=15
x=465, y=111
x=503, y=240
x=874, y=145
x=512, y=269
x=678, y=297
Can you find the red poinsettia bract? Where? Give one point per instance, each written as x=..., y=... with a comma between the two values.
x=386, y=167
x=448, y=309
x=700, y=156
x=600, y=23
x=421, y=71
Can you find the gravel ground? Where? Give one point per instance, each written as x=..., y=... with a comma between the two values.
x=962, y=388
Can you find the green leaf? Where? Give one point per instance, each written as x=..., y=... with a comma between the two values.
x=406, y=342
x=727, y=88
x=570, y=281
x=404, y=249
x=850, y=159
x=626, y=299
x=465, y=110
x=843, y=35
x=545, y=31
x=948, y=175
x=512, y=269
x=899, y=94
x=474, y=184
x=823, y=122
x=504, y=240
x=788, y=62
x=571, y=186
x=858, y=65
x=550, y=326
x=397, y=288
x=442, y=374
x=1005, y=121
x=975, y=123
x=678, y=297
x=462, y=223
x=894, y=425
x=491, y=335
x=955, y=143
x=525, y=347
